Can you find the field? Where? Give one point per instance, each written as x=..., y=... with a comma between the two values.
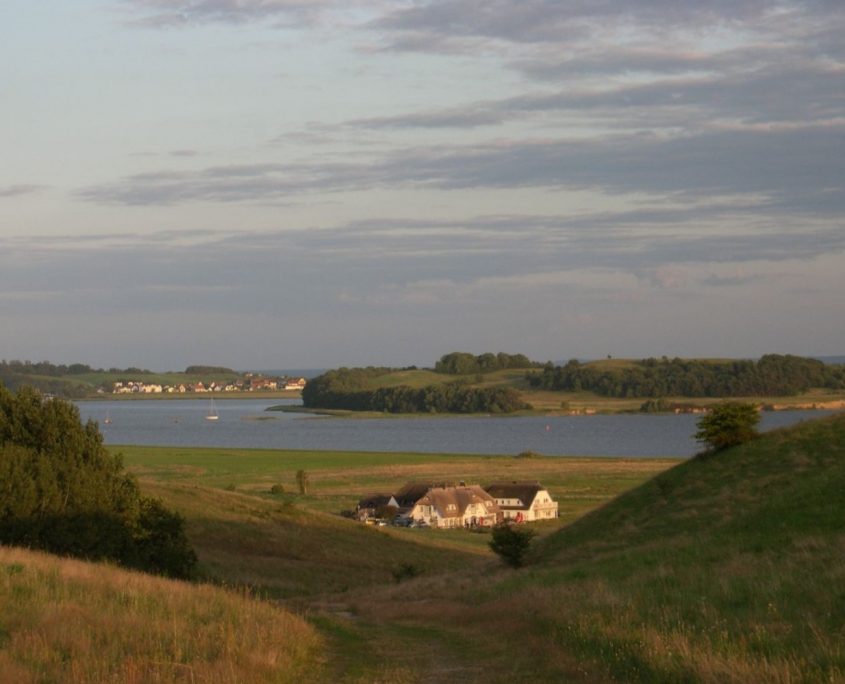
x=296, y=548
x=727, y=568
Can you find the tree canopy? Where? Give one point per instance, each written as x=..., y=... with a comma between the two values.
x=771, y=375
x=62, y=491
x=349, y=389
x=462, y=363
x=728, y=424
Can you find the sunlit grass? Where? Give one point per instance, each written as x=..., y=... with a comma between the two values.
x=69, y=621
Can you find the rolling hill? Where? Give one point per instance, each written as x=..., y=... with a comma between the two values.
x=725, y=568
x=729, y=568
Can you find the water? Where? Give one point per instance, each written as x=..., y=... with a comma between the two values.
x=244, y=423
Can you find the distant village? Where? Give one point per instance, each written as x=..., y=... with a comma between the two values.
x=458, y=506
x=246, y=384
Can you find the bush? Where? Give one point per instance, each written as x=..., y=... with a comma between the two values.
x=511, y=543
x=277, y=489
x=727, y=425
x=405, y=571
x=63, y=492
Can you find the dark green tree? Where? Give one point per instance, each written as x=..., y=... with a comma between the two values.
x=727, y=425
x=62, y=491
x=511, y=543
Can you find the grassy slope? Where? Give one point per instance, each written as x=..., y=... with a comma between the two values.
x=724, y=569
x=284, y=551
x=68, y=621
x=728, y=568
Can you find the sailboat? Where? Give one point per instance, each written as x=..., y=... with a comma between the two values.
x=212, y=412
x=107, y=421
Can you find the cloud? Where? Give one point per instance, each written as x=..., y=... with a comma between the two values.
x=798, y=93
x=18, y=190
x=782, y=164
x=470, y=117
x=174, y=13
x=576, y=21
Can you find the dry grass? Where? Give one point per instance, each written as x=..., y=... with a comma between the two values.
x=69, y=621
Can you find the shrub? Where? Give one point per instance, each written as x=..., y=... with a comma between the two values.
x=728, y=424
x=405, y=571
x=277, y=489
x=511, y=543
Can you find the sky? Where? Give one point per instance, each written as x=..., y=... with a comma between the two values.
x=316, y=183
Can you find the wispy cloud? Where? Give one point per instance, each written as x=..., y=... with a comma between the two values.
x=778, y=163
x=18, y=190
x=169, y=13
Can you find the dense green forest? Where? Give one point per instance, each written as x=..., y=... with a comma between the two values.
x=771, y=375
x=351, y=389
x=61, y=490
x=462, y=363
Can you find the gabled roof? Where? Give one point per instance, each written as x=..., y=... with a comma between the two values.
x=411, y=493
x=375, y=501
x=452, y=502
x=524, y=491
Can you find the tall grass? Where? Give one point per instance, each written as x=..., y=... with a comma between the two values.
x=70, y=621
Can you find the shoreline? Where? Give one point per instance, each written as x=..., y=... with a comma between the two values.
x=834, y=405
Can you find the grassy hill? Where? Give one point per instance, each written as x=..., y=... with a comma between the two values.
x=724, y=569
x=729, y=568
x=606, y=385
x=68, y=621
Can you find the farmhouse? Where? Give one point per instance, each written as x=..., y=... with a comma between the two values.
x=410, y=493
x=523, y=501
x=371, y=506
x=461, y=506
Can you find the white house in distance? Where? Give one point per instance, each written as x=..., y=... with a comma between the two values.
x=461, y=506
x=523, y=501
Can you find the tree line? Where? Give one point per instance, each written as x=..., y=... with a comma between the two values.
x=63, y=492
x=352, y=389
x=771, y=375
x=57, y=379
x=61, y=370
x=462, y=363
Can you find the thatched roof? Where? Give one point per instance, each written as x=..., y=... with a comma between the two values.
x=524, y=491
x=452, y=502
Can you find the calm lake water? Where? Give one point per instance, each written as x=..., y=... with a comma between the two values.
x=245, y=423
